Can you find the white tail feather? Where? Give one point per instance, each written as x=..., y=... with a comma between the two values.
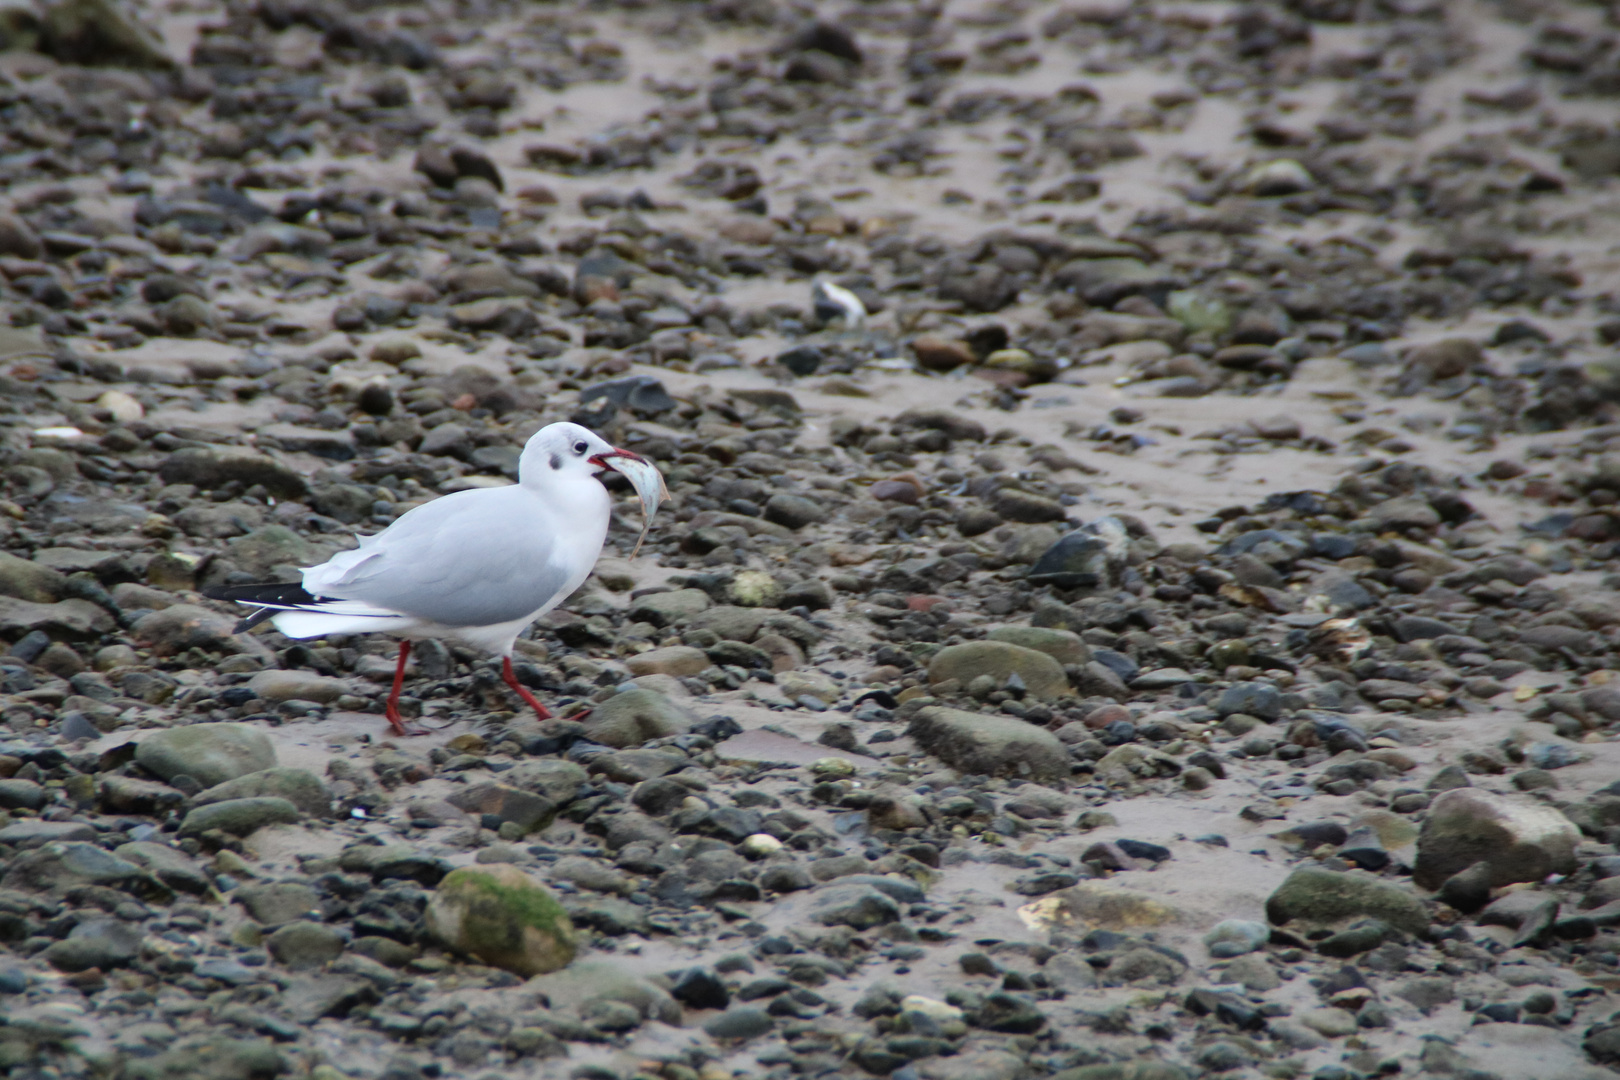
x=310, y=624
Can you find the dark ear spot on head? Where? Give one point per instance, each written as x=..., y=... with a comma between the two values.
x=556, y=461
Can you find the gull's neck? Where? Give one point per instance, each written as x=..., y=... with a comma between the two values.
x=575, y=497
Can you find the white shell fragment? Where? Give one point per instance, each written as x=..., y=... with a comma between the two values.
x=836, y=302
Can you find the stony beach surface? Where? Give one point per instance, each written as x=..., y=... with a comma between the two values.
x=1139, y=599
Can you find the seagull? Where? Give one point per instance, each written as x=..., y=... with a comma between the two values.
x=475, y=567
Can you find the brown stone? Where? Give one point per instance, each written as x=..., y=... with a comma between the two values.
x=941, y=354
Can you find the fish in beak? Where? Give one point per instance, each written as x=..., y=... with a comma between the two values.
x=644, y=477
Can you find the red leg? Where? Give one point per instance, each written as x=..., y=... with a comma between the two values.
x=392, y=710
x=511, y=680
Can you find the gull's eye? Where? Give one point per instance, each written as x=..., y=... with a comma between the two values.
x=580, y=448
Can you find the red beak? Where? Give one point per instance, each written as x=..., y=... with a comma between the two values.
x=600, y=460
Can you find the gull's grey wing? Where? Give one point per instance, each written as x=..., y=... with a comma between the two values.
x=458, y=562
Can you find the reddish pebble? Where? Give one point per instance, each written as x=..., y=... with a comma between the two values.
x=923, y=602
x=1103, y=715
x=1108, y=856
x=900, y=491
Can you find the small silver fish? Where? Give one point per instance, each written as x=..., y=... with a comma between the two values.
x=649, y=484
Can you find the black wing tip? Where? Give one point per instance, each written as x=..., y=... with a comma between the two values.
x=248, y=622
x=282, y=593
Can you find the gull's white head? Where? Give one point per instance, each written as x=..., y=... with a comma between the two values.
x=560, y=453
x=562, y=459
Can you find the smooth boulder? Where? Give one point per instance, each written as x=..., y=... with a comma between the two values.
x=1321, y=897
x=1521, y=840
x=209, y=753
x=635, y=717
x=1041, y=675
x=989, y=745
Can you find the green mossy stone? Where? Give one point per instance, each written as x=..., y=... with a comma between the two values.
x=503, y=917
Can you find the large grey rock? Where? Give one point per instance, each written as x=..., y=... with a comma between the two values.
x=28, y=580
x=101, y=32
x=861, y=907
x=59, y=867
x=215, y=466
x=634, y=717
x=96, y=943
x=132, y=795
x=22, y=795
x=300, y=787
x=558, y=781
x=179, y=627
x=991, y=745
x=1321, y=897
x=239, y=817
x=1521, y=840
x=588, y=982
x=171, y=866
x=269, y=546
x=209, y=753
x=670, y=608
x=210, y=1057
x=305, y=945
x=793, y=511
x=523, y=808
x=276, y=903
x=73, y=618
x=1041, y=675
x=1253, y=698
x=731, y=622
x=33, y=833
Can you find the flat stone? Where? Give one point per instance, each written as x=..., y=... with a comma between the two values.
x=523, y=808
x=209, y=753
x=670, y=608
x=740, y=1022
x=26, y=579
x=677, y=660
x=57, y=867
x=275, y=685
x=633, y=717
x=1329, y=1023
x=989, y=745
x=213, y=467
x=767, y=746
x=31, y=833
x=74, y=619
x=171, y=866
x=1101, y=907
x=588, y=982
x=300, y=787
x=239, y=817
x=22, y=795
x=178, y=627
x=278, y=902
